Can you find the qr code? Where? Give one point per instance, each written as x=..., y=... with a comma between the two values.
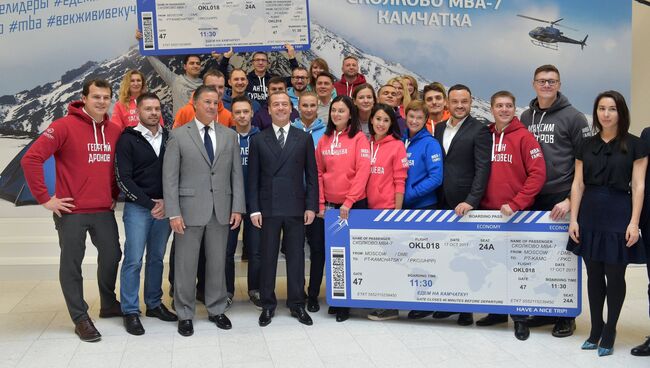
x=147, y=31
x=338, y=272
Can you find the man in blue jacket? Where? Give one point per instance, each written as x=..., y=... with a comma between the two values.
x=138, y=168
x=242, y=114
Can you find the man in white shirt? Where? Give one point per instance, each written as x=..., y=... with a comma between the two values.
x=138, y=164
x=466, y=144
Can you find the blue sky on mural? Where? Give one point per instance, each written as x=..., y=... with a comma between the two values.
x=496, y=52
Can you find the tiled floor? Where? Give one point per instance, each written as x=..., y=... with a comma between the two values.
x=35, y=331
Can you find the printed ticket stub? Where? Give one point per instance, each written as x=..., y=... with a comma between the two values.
x=483, y=262
x=172, y=27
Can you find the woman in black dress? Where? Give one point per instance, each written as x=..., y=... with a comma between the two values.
x=606, y=201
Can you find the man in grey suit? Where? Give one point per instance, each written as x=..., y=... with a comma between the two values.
x=203, y=188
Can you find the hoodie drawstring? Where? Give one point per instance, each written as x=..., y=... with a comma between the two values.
x=500, y=142
x=335, y=142
x=95, y=132
x=103, y=135
x=103, y=138
x=373, y=153
x=540, y=121
x=262, y=81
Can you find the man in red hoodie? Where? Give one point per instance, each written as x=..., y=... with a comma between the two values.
x=517, y=174
x=351, y=77
x=82, y=144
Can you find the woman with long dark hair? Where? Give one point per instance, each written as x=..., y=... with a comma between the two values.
x=388, y=164
x=343, y=159
x=606, y=200
x=364, y=98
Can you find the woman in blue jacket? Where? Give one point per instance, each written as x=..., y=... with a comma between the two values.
x=425, y=160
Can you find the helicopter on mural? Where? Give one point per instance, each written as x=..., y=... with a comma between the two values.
x=549, y=37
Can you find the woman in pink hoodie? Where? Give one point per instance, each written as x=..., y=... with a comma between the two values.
x=388, y=169
x=388, y=163
x=343, y=159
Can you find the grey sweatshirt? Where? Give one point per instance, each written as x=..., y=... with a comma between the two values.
x=182, y=86
x=559, y=130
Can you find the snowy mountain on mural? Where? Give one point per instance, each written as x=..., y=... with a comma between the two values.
x=31, y=111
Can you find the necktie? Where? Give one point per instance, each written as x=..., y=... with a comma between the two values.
x=207, y=142
x=281, y=138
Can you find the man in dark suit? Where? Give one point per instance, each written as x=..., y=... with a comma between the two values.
x=644, y=349
x=283, y=193
x=466, y=146
x=203, y=188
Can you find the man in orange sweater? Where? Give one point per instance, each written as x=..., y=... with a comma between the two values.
x=212, y=78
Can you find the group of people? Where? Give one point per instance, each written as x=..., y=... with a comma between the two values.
x=271, y=154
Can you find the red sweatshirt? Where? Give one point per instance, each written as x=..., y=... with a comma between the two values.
x=344, y=88
x=343, y=168
x=388, y=168
x=518, y=169
x=83, y=154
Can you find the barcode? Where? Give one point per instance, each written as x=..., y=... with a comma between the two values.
x=338, y=272
x=147, y=31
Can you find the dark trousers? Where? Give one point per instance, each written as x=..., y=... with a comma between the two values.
x=72, y=229
x=200, y=273
x=645, y=233
x=647, y=252
x=251, y=241
x=316, y=240
x=358, y=205
x=293, y=232
x=546, y=202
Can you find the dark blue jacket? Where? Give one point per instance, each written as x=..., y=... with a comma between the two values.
x=244, y=145
x=138, y=170
x=227, y=101
x=262, y=119
x=424, y=155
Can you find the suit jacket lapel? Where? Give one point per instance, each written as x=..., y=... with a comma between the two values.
x=198, y=140
x=272, y=141
x=220, y=141
x=289, y=145
x=461, y=131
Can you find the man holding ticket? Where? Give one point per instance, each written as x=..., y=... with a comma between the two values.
x=466, y=147
x=517, y=174
x=259, y=77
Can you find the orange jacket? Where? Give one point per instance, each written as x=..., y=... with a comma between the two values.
x=431, y=124
x=187, y=113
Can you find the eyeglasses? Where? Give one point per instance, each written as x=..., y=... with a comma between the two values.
x=300, y=78
x=260, y=60
x=551, y=82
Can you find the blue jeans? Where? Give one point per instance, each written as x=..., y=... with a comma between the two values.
x=142, y=231
x=251, y=240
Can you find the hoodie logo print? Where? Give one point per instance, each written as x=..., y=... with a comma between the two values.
x=99, y=157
